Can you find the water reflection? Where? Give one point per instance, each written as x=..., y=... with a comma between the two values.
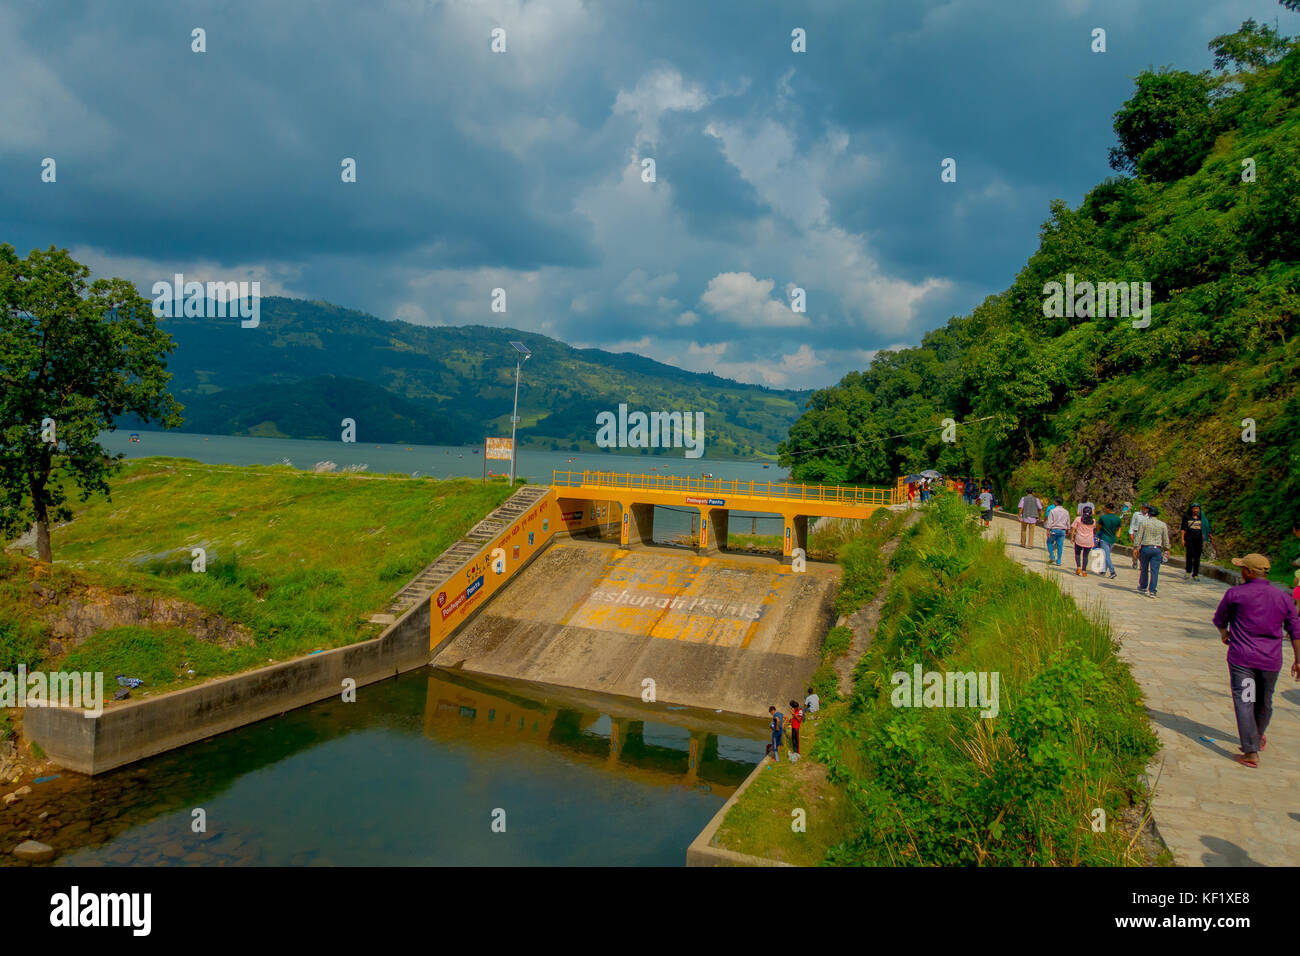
x=411, y=774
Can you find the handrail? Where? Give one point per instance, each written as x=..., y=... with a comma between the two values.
x=724, y=486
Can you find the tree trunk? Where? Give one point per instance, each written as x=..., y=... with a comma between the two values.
x=43, y=552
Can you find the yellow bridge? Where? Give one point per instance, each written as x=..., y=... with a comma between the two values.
x=631, y=500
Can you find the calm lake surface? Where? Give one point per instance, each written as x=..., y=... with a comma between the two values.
x=414, y=773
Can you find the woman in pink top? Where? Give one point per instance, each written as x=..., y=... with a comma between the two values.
x=1084, y=535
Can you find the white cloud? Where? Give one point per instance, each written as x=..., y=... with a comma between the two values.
x=655, y=94
x=745, y=300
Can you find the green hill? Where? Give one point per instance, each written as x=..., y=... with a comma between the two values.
x=1208, y=212
x=308, y=365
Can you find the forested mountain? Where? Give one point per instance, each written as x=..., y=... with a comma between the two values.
x=1199, y=404
x=308, y=365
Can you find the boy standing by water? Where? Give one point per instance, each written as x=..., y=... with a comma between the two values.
x=778, y=726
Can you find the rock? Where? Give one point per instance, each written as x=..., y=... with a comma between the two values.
x=174, y=850
x=55, y=648
x=44, y=814
x=33, y=852
x=23, y=791
x=10, y=799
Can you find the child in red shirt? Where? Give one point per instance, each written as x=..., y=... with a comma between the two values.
x=796, y=721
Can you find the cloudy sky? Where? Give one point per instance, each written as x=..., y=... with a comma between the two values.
x=523, y=170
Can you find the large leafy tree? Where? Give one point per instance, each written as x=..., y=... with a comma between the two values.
x=74, y=356
x=1167, y=127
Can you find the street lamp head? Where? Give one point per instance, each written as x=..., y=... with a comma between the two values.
x=522, y=350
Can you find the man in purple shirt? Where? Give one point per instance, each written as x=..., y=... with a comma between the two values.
x=1250, y=620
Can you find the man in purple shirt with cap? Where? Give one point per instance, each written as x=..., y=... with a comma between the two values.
x=1250, y=619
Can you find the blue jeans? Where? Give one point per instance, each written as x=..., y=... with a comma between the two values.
x=1150, y=557
x=1105, y=549
x=1055, y=545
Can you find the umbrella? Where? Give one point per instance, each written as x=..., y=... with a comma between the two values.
x=913, y=479
x=930, y=473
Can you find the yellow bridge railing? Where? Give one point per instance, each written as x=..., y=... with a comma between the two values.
x=721, y=487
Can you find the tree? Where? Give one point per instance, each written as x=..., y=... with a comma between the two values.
x=1167, y=127
x=74, y=356
x=1252, y=47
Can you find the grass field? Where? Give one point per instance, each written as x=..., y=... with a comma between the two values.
x=298, y=560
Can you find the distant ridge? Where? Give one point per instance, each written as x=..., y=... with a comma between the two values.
x=310, y=364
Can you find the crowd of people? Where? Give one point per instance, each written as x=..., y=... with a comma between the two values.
x=1253, y=618
x=1095, y=535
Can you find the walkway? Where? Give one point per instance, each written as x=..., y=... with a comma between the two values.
x=1209, y=810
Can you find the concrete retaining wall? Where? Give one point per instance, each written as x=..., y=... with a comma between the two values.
x=137, y=729
x=702, y=852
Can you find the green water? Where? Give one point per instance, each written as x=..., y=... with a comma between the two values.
x=415, y=772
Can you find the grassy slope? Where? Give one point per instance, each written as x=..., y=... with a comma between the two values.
x=937, y=786
x=300, y=560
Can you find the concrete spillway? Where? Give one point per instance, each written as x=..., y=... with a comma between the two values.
x=730, y=632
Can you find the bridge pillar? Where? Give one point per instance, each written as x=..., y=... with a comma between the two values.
x=796, y=536
x=638, y=525
x=713, y=531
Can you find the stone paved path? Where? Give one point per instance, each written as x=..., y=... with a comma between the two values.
x=1209, y=810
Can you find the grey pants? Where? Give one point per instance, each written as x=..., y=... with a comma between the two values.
x=1252, y=715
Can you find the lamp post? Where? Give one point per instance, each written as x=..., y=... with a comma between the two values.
x=524, y=355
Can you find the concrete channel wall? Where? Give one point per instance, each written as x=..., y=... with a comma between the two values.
x=136, y=729
x=702, y=852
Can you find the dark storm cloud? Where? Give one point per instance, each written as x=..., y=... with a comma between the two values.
x=522, y=170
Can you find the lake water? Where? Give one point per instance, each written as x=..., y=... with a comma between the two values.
x=440, y=461
x=415, y=772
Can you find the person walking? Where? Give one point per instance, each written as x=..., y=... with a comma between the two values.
x=1195, y=533
x=1251, y=618
x=1084, y=535
x=911, y=495
x=778, y=726
x=796, y=721
x=1139, y=516
x=1151, y=548
x=1029, y=509
x=1108, y=526
x=986, y=506
x=1056, y=525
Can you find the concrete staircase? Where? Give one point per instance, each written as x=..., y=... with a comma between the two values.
x=460, y=553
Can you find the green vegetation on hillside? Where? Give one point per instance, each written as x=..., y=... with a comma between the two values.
x=941, y=785
x=1094, y=406
x=308, y=365
x=299, y=561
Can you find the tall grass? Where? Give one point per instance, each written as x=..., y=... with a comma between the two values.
x=945, y=786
